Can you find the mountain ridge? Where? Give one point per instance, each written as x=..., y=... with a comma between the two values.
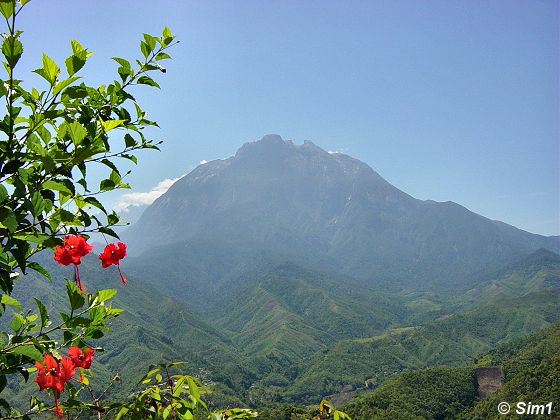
x=325, y=211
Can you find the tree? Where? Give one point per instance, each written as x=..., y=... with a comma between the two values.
x=50, y=139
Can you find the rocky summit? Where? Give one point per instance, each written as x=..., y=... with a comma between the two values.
x=329, y=211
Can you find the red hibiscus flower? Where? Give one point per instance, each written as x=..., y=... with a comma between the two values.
x=71, y=252
x=111, y=255
x=81, y=358
x=73, y=249
x=54, y=375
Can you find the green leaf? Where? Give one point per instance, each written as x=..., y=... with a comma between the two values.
x=38, y=268
x=17, y=322
x=7, y=8
x=76, y=46
x=44, y=133
x=124, y=63
x=162, y=56
x=146, y=80
x=149, y=374
x=167, y=37
x=151, y=41
x=76, y=92
x=106, y=185
x=76, y=131
x=3, y=193
x=132, y=158
x=37, y=203
x=50, y=70
x=34, y=145
x=8, y=300
x=122, y=413
x=110, y=124
x=10, y=222
x=145, y=49
x=63, y=84
x=56, y=186
x=12, y=50
x=193, y=389
x=35, y=404
x=106, y=294
x=75, y=296
x=108, y=231
x=129, y=140
x=43, y=312
x=124, y=73
x=139, y=113
x=20, y=253
x=113, y=311
x=115, y=177
x=96, y=203
x=73, y=64
x=29, y=351
x=113, y=219
x=77, y=60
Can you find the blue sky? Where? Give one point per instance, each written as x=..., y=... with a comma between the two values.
x=448, y=100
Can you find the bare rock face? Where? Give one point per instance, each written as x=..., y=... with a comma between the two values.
x=488, y=379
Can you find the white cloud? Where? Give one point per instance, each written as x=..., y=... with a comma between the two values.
x=136, y=199
x=202, y=162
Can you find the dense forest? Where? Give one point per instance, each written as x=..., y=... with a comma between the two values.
x=531, y=368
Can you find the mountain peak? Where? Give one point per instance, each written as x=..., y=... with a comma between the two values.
x=327, y=210
x=269, y=145
x=272, y=139
x=273, y=147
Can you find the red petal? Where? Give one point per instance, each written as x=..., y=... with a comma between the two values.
x=50, y=362
x=67, y=370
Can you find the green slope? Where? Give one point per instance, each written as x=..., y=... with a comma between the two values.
x=532, y=373
x=537, y=272
x=281, y=319
x=284, y=333
x=153, y=329
x=355, y=364
x=331, y=305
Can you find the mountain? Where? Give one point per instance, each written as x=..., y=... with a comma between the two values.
x=531, y=368
x=450, y=340
x=283, y=318
x=515, y=301
x=131, y=214
x=277, y=201
x=540, y=271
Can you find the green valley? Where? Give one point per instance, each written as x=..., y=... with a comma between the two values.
x=531, y=367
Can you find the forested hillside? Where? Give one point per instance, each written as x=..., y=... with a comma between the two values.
x=531, y=367
x=295, y=335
